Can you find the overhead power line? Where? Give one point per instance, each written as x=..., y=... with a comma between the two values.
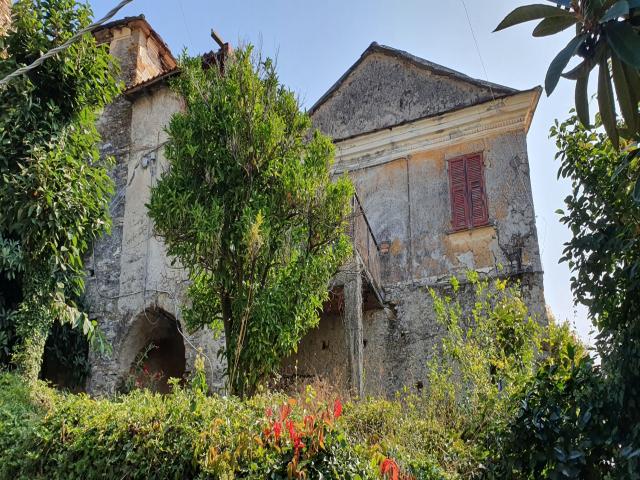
x=67, y=44
x=475, y=40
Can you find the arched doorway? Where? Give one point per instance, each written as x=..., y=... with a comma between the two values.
x=152, y=352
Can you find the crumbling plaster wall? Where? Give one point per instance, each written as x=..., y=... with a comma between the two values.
x=147, y=280
x=128, y=271
x=407, y=202
x=408, y=207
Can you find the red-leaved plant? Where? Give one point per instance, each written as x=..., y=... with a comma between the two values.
x=390, y=470
x=305, y=438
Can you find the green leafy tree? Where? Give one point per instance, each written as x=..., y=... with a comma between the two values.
x=603, y=213
x=563, y=426
x=607, y=36
x=54, y=187
x=248, y=207
x=577, y=419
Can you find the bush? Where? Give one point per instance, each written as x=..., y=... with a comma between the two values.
x=402, y=429
x=566, y=426
x=490, y=353
x=184, y=435
x=560, y=430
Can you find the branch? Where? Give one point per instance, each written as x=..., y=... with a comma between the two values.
x=64, y=46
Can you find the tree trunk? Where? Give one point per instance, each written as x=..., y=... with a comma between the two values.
x=226, y=320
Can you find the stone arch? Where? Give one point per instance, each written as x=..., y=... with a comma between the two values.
x=152, y=351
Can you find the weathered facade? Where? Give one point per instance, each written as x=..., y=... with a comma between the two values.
x=440, y=165
x=132, y=288
x=399, y=124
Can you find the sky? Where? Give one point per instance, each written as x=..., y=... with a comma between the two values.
x=315, y=42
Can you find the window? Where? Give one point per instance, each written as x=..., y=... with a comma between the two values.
x=468, y=196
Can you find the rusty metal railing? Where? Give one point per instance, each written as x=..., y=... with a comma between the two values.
x=365, y=243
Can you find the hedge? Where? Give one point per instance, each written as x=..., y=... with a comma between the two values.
x=185, y=435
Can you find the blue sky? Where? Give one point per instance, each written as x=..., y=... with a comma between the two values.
x=316, y=41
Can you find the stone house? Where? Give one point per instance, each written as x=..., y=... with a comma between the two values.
x=440, y=165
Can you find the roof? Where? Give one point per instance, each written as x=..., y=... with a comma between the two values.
x=417, y=61
x=145, y=85
x=120, y=22
x=165, y=51
x=208, y=59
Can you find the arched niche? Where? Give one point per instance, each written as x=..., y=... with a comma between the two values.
x=152, y=351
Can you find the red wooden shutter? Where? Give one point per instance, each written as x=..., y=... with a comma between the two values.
x=458, y=189
x=477, y=199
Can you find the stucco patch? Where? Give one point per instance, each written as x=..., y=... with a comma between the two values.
x=471, y=248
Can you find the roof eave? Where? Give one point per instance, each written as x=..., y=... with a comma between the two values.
x=529, y=115
x=155, y=82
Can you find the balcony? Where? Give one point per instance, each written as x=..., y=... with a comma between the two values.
x=367, y=251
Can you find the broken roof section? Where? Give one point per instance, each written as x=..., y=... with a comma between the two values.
x=386, y=87
x=146, y=60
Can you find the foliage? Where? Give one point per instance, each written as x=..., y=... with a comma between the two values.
x=54, y=188
x=486, y=356
x=607, y=36
x=46, y=434
x=577, y=419
x=566, y=427
x=247, y=206
x=603, y=212
x=406, y=429
x=459, y=426
x=489, y=354
x=66, y=357
x=139, y=375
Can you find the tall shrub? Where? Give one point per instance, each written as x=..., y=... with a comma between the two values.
x=603, y=213
x=248, y=207
x=54, y=187
x=491, y=349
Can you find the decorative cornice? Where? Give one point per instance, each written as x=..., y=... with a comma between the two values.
x=507, y=114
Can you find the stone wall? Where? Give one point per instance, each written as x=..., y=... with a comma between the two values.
x=398, y=343
x=323, y=355
x=143, y=277
x=390, y=87
x=130, y=279
x=140, y=51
